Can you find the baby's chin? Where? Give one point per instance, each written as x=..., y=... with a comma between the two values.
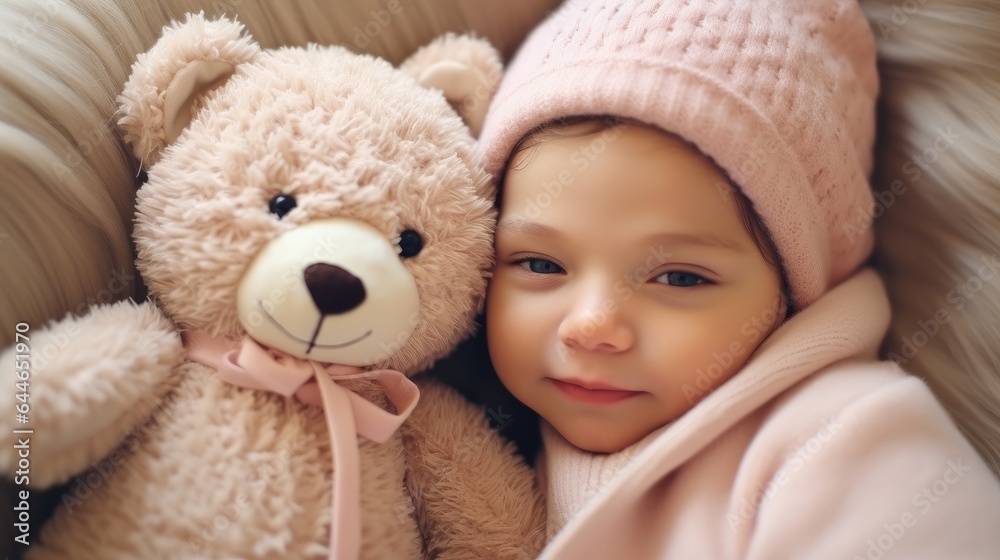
x=598, y=439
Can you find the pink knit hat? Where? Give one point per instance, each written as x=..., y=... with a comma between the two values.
x=780, y=93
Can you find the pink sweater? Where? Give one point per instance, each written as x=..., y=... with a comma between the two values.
x=814, y=450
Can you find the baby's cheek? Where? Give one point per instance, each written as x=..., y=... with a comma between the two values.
x=736, y=341
x=700, y=361
x=505, y=321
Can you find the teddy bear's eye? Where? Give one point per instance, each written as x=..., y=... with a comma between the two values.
x=281, y=205
x=410, y=243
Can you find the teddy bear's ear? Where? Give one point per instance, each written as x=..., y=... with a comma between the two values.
x=465, y=68
x=190, y=59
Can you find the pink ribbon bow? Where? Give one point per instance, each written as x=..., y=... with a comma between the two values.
x=347, y=414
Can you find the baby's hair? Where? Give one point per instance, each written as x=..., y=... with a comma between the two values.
x=566, y=127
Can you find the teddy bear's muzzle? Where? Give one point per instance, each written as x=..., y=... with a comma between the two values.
x=333, y=291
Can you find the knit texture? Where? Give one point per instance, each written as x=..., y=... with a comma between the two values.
x=573, y=476
x=780, y=94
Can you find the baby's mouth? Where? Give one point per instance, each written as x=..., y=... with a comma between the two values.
x=592, y=392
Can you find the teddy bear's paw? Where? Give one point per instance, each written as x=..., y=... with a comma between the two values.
x=88, y=380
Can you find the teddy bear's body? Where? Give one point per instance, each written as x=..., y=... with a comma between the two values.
x=332, y=209
x=186, y=484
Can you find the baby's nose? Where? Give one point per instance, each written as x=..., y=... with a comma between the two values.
x=600, y=329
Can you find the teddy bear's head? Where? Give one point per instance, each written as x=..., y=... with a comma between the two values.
x=323, y=202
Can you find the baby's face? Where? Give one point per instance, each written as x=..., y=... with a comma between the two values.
x=626, y=286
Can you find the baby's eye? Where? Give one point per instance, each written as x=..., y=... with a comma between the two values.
x=681, y=279
x=539, y=266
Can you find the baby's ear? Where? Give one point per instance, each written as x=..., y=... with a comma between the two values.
x=189, y=60
x=465, y=68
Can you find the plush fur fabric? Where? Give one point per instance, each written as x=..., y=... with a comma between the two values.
x=182, y=464
x=937, y=184
x=70, y=181
x=104, y=389
x=183, y=483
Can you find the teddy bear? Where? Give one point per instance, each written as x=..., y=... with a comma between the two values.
x=314, y=230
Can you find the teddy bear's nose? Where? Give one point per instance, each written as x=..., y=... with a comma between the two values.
x=333, y=289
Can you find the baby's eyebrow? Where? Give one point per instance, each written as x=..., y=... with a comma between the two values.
x=527, y=228
x=707, y=240
x=518, y=226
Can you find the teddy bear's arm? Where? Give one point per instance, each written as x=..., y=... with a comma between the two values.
x=474, y=496
x=90, y=379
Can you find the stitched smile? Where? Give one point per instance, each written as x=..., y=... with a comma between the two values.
x=310, y=343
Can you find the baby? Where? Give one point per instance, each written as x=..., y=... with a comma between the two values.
x=681, y=293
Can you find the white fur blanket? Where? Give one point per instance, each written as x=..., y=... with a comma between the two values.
x=937, y=181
